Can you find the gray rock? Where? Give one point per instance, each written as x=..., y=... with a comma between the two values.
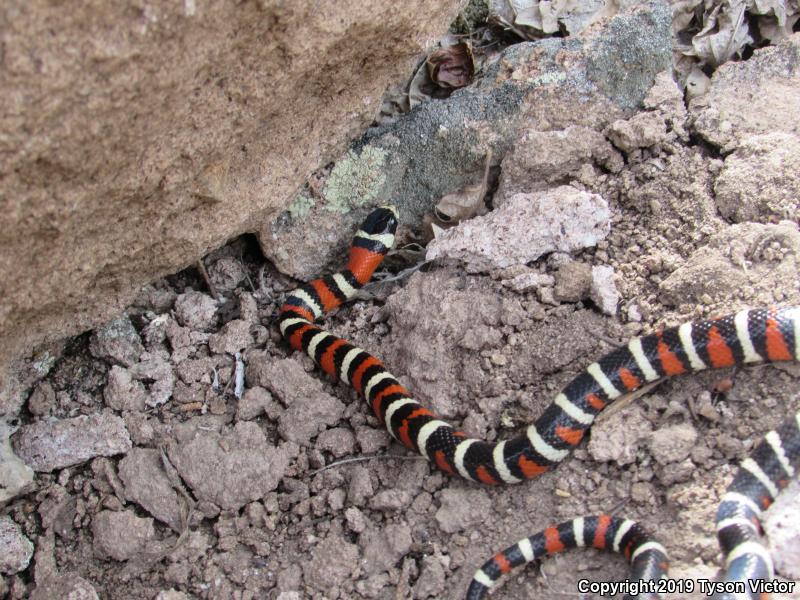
x=383, y=548
x=117, y=342
x=196, y=310
x=147, y=484
x=120, y=535
x=49, y=445
x=673, y=444
x=229, y=469
x=309, y=408
x=69, y=586
x=573, y=281
x=603, y=290
x=17, y=549
x=431, y=152
x=752, y=97
x=122, y=392
x=257, y=401
x=760, y=181
x=782, y=528
x=618, y=437
x=460, y=508
x=15, y=476
x=333, y=560
x=233, y=337
x=544, y=159
x=160, y=379
x=524, y=228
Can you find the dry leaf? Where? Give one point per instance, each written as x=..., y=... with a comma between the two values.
x=459, y=206
x=452, y=66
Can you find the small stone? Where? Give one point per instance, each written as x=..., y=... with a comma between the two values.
x=229, y=469
x=390, y=500
x=332, y=562
x=355, y=519
x=121, y=535
x=372, y=439
x=196, y=310
x=603, y=290
x=69, y=586
x=573, y=281
x=17, y=549
x=232, y=338
x=673, y=444
x=49, y=445
x=338, y=441
x=255, y=402
x=43, y=399
x=117, y=342
x=383, y=548
x=226, y=273
x=147, y=484
x=15, y=476
x=461, y=508
x=122, y=392
x=360, y=487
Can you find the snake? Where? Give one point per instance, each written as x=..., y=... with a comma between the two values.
x=745, y=337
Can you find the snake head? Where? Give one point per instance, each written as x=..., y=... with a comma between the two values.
x=382, y=220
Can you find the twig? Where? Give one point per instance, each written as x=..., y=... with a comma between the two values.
x=354, y=459
x=202, y=268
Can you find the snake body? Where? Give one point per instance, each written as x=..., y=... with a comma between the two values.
x=748, y=336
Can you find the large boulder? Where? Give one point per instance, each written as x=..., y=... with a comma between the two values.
x=133, y=141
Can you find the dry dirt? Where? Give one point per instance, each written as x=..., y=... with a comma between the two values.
x=202, y=494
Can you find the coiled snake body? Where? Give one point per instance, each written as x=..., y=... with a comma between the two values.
x=749, y=336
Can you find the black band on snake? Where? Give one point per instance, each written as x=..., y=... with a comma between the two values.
x=748, y=336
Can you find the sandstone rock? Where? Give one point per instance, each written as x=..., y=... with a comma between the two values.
x=161, y=132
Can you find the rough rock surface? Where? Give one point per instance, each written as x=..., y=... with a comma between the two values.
x=769, y=80
x=17, y=550
x=441, y=146
x=567, y=220
x=135, y=141
x=49, y=445
x=739, y=258
x=783, y=529
x=120, y=535
x=146, y=483
x=229, y=469
x=15, y=476
x=354, y=514
x=761, y=179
